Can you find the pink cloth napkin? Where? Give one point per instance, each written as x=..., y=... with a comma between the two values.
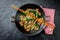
x=50, y=18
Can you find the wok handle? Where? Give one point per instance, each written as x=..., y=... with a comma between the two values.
x=12, y=19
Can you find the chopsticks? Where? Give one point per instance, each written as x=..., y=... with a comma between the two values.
x=37, y=19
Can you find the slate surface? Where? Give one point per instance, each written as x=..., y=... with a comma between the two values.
x=8, y=30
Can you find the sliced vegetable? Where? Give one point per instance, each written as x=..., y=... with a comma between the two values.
x=32, y=28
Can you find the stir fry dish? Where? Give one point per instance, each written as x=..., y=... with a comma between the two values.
x=28, y=19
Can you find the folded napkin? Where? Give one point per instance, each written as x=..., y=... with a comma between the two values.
x=50, y=19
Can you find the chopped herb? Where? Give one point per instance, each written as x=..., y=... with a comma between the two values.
x=23, y=14
x=29, y=19
x=36, y=25
x=39, y=16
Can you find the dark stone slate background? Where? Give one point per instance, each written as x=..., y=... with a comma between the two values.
x=8, y=30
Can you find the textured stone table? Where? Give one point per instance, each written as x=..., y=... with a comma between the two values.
x=8, y=30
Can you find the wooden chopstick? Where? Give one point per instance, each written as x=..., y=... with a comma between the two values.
x=16, y=8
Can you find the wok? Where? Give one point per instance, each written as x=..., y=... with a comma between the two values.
x=17, y=18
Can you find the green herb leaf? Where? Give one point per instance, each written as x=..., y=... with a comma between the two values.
x=36, y=25
x=23, y=14
x=29, y=19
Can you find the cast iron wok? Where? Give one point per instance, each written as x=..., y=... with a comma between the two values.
x=24, y=7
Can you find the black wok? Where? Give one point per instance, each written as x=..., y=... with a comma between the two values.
x=24, y=7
